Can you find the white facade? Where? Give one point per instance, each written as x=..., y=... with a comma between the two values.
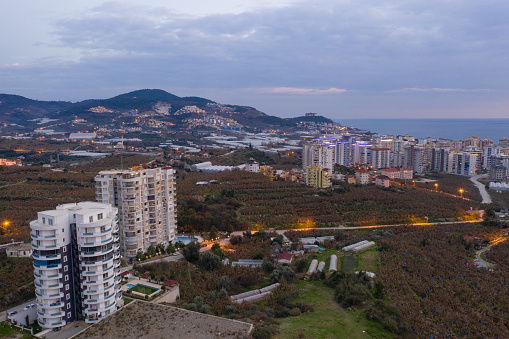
x=252, y=166
x=76, y=263
x=465, y=163
x=146, y=201
x=318, y=154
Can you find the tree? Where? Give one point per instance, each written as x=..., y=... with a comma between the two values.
x=213, y=233
x=151, y=250
x=215, y=246
x=170, y=249
x=210, y=261
x=340, y=235
x=191, y=252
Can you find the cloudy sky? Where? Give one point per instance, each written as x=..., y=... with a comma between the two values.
x=340, y=58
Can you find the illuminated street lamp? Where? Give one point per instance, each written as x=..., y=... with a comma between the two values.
x=461, y=192
x=436, y=187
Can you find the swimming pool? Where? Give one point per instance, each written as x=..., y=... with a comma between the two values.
x=185, y=240
x=130, y=286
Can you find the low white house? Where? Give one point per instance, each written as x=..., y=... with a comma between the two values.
x=21, y=250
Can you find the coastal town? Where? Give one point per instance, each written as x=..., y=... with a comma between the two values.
x=214, y=227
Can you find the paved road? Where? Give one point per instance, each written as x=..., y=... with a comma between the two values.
x=373, y=226
x=479, y=253
x=486, y=198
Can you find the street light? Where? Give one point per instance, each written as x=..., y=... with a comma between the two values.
x=436, y=187
x=461, y=192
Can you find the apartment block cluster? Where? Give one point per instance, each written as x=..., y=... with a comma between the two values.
x=462, y=157
x=77, y=247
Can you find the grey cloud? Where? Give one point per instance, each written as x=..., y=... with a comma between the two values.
x=363, y=46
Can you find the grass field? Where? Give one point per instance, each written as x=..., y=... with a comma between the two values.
x=7, y=331
x=143, y=289
x=329, y=319
x=368, y=260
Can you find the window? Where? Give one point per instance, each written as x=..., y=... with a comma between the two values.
x=67, y=296
x=99, y=216
x=64, y=250
x=63, y=230
x=43, y=220
x=91, y=218
x=66, y=277
x=68, y=306
x=68, y=314
x=66, y=268
x=74, y=216
x=67, y=287
x=50, y=222
x=65, y=258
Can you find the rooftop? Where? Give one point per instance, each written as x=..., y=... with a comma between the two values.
x=141, y=319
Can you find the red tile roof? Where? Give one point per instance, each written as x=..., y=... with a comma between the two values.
x=170, y=282
x=285, y=256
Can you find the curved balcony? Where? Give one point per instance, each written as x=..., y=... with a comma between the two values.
x=51, y=323
x=51, y=304
x=49, y=294
x=45, y=245
x=46, y=257
x=48, y=267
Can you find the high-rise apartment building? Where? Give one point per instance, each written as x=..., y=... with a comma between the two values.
x=76, y=263
x=465, y=163
x=380, y=158
x=318, y=154
x=145, y=198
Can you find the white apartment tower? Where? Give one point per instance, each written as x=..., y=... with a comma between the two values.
x=318, y=154
x=76, y=263
x=146, y=203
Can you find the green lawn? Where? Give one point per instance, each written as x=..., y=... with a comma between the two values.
x=7, y=331
x=143, y=289
x=328, y=320
x=368, y=260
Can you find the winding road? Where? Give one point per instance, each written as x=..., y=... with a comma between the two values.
x=486, y=198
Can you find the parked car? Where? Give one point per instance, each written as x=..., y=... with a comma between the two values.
x=11, y=313
x=28, y=307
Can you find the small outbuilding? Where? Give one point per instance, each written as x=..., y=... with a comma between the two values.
x=284, y=258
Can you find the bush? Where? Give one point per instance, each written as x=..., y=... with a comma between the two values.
x=215, y=246
x=206, y=309
x=268, y=266
x=198, y=301
x=295, y=312
x=210, y=261
x=235, y=240
x=224, y=283
x=191, y=252
x=340, y=235
x=192, y=307
x=229, y=310
x=262, y=332
x=387, y=315
x=223, y=293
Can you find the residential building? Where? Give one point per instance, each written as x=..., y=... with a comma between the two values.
x=252, y=166
x=441, y=160
x=76, y=263
x=318, y=177
x=343, y=153
x=362, y=176
x=318, y=154
x=416, y=158
x=146, y=201
x=398, y=173
x=380, y=158
x=19, y=251
x=498, y=173
x=465, y=163
x=360, y=153
x=382, y=180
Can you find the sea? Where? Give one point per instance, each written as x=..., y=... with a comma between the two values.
x=455, y=129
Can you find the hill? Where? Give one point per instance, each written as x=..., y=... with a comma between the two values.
x=26, y=114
